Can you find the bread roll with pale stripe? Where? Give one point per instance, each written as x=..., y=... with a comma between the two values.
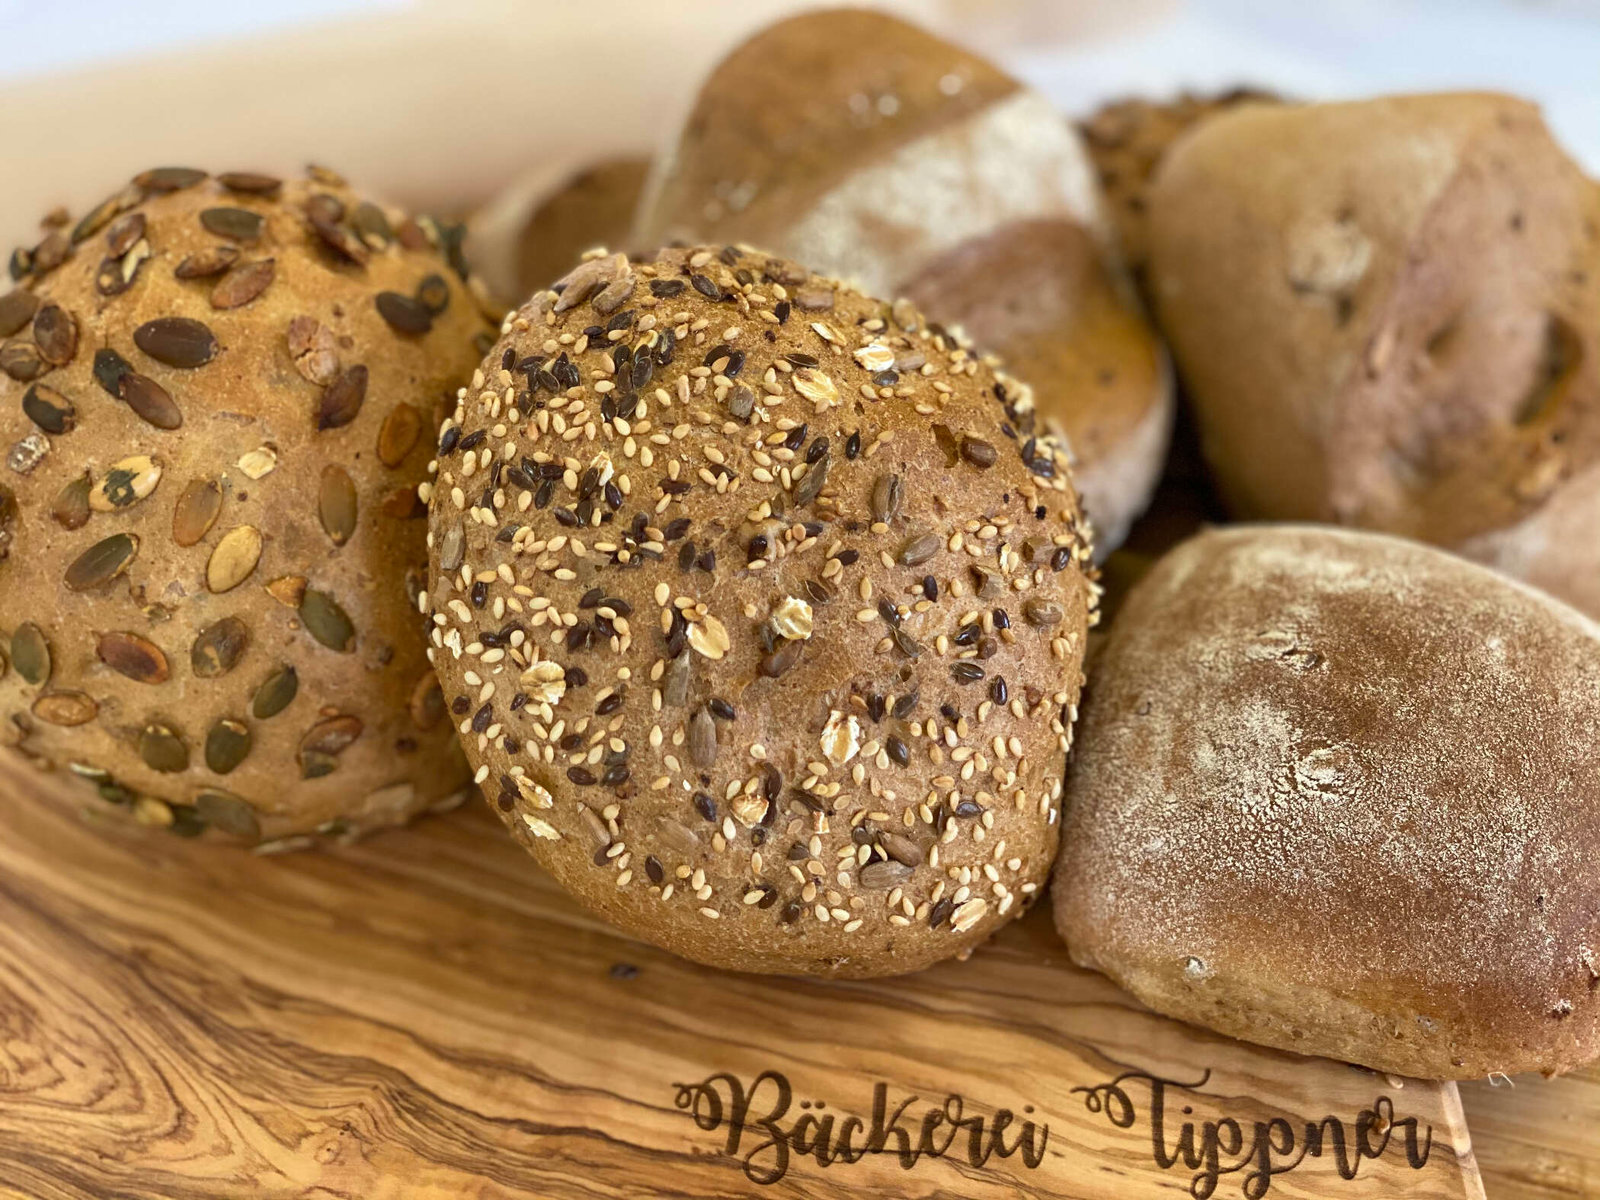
x=1335, y=792
x=871, y=150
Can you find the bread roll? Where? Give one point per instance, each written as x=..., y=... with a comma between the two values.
x=760, y=607
x=1332, y=793
x=859, y=144
x=219, y=399
x=1387, y=314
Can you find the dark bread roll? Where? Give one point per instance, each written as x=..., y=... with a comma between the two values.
x=760, y=606
x=220, y=395
x=1333, y=792
x=876, y=152
x=1387, y=315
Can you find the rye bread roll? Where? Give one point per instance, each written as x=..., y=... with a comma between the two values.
x=218, y=399
x=1387, y=315
x=873, y=151
x=760, y=607
x=1333, y=792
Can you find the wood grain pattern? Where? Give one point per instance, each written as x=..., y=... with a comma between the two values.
x=424, y=1015
x=1537, y=1139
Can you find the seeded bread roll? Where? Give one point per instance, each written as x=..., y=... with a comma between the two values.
x=761, y=618
x=1387, y=315
x=219, y=398
x=874, y=151
x=538, y=228
x=1332, y=794
x=1128, y=139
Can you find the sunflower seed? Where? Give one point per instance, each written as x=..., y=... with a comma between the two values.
x=168, y=179
x=56, y=335
x=703, y=739
x=70, y=509
x=234, y=558
x=314, y=350
x=1043, y=613
x=65, y=708
x=227, y=745
x=782, y=660
x=250, y=183
x=675, y=684
x=810, y=487
x=979, y=453
x=227, y=813
x=243, y=284
x=163, y=749
x=327, y=622
x=884, y=874
x=275, y=694
x=177, y=341
x=207, y=263
x=30, y=654
x=102, y=562
x=125, y=483
x=371, y=226
x=342, y=399
x=150, y=401
x=218, y=647
x=129, y=654
x=405, y=314
x=452, y=547
x=741, y=403
x=400, y=431
x=919, y=549
x=902, y=849
x=196, y=511
x=238, y=224
x=17, y=308
x=49, y=409
x=887, y=494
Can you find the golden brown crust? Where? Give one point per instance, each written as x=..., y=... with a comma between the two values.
x=247, y=403
x=1330, y=794
x=1387, y=312
x=821, y=605
x=873, y=151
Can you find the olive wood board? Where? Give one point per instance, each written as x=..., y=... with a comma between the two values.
x=424, y=1014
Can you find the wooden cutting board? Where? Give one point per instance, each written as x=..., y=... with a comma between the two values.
x=425, y=1015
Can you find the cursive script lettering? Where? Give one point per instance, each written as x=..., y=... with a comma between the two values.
x=1212, y=1149
x=762, y=1129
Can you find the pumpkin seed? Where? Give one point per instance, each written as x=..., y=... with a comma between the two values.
x=434, y=293
x=196, y=511
x=251, y=183
x=65, y=708
x=288, y=590
x=95, y=219
x=177, y=341
x=371, y=225
x=205, y=264
x=239, y=224
x=327, y=622
x=233, y=559
x=218, y=647
x=116, y=275
x=30, y=654
x=342, y=399
x=55, y=333
x=314, y=350
x=228, y=813
x=129, y=654
x=243, y=284
x=168, y=179
x=109, y=368
x=21, y=361
x=399, y=434
x=275, y=694
x=128, y=481
x=71, y=505
x=49, y=409
x=102, y=562
x=322, y=744
x=405, y=314
x=28, y=453
x=163, y=750
x=324, y=212
x=124, y=234
x=186, y=821
x=8, y=519
x=427, y=702
x=336, y=504
x=17, y=308
x=150, y=401
x=227, y=745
